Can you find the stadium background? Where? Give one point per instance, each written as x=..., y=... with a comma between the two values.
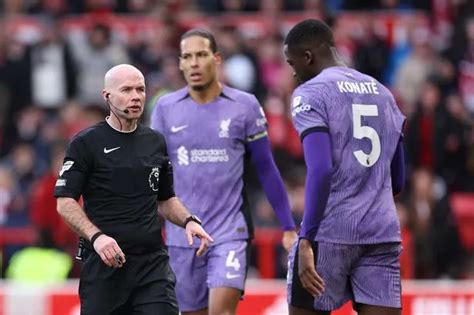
x=53, y=56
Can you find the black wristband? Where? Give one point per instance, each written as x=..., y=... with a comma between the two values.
x=192, y=218
x=95, y=236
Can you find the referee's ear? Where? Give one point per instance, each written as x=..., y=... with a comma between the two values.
x=105, y=95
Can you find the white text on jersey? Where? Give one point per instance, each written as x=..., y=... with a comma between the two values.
x=357, y=87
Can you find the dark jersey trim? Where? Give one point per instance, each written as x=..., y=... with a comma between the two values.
x=313, y=129
x=67, y=194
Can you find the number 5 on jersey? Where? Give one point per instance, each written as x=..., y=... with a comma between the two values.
x=360, y=132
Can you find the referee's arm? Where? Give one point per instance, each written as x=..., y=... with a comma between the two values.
x=105, y=246
x=75, y=217
x=174, y=211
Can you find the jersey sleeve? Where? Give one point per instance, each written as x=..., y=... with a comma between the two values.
x=73, y=174
x=308, y=113
x=255, y=121
x=156, y=121
x=166, y=186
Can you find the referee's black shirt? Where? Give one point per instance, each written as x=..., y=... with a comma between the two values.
x=121, y=176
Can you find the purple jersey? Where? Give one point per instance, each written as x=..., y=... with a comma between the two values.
x=206, y=145
x=365, y=126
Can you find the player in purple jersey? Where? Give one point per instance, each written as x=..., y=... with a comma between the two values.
x=351, y=129
x=209, y=128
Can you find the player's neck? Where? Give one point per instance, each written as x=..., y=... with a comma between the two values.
x=208, y=94
x=124, y=125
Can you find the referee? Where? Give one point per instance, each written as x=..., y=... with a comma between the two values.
x=122, y=171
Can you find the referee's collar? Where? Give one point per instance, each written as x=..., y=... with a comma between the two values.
x=226, y=93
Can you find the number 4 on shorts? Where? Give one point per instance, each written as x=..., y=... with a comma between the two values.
x=232, y=261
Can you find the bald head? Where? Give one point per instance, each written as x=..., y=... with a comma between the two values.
x=115, y=75
x=124, y=90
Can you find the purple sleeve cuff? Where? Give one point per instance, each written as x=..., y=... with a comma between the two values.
x=272, y=183
x=317, y=154
x=397, y=169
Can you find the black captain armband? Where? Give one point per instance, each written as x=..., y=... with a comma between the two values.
x=95, y=236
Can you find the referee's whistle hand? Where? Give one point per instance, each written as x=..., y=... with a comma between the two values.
x=109, y=251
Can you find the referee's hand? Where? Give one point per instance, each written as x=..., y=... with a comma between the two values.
x=109, y=251
x=195, y=229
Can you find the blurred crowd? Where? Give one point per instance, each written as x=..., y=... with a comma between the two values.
x=54, y=54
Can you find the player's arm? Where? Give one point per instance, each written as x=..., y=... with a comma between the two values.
x=272, y=183
x=317, y=154
x=397, y=169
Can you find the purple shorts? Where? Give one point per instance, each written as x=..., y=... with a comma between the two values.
x=223, y=265
x=365, y=274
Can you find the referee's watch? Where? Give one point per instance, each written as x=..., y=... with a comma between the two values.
x=192, y=218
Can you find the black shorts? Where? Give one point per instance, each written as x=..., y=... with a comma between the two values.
x=144, y=285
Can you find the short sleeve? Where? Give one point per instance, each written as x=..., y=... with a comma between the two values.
x=308, y=113
x=166, y=186
x=255, y=122
x=75, y=170
x=156, y=121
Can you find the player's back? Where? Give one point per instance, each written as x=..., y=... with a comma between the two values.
x=364, y=125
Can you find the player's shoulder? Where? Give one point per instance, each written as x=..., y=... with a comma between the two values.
x=171, y=98
x=239, y=96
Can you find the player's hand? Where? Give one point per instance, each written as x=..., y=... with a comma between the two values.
x=310, y=280
x=289, y=238
x=195, y=229
x=109, y=251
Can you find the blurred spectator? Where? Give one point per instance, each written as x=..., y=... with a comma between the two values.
x=372, y=51
x=53, y=71
x=271, y=64
x=415, y=69
x=94, y=57
x=453, y=135
x=21, y=161
x=438, y=251
x=239, y=68
x=7, y=185
x=466, y=66
x=15, y=71
x=422, y=139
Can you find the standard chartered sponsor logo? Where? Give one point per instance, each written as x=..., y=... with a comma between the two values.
x=201, y=156
x=183, y=158
x=209, y=155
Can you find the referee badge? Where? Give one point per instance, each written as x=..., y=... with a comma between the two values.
x=154, y=178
